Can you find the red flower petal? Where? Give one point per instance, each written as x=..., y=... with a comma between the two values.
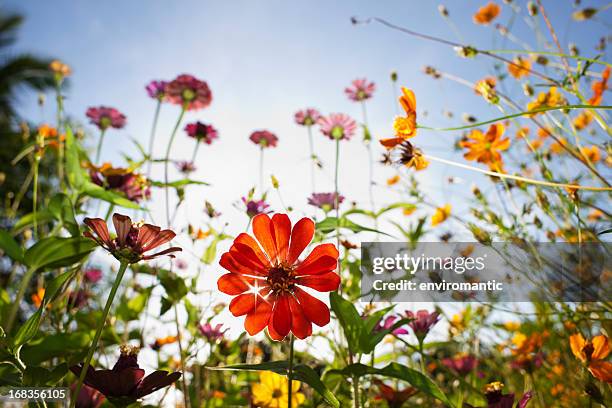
x=262, y=228
x=245, y=256
x=322, y=265
x=315, y=310
x=300, y=325
x=233, y=284
x=318, y=252
x=164, y=252
x=161, y=238
x=282, y=232
x=281, y=316
x=301, y=235
x=122, y=224
x=242, y=304
x=273, y=334
x=259, y=318
x=326, y=282
x=248, y=240
x=146, y=234
x=228, y=262
x=98, y=226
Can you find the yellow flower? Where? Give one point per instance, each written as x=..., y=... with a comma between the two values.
x=583, y=120
x=393, y=180
x=59, y=68
x=591, y=153
x=409, y=210
x=512, y=326
x=551, y=98
x=519, y=339
x=272, y=391
x=557, y=147
x=441, y=215
x=412, y=157
x=520, y=67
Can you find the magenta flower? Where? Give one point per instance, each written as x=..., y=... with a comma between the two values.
x=92, y=275
x=157, y=89
x=212, y=333
x=186, y=167
x=126, y=383
x=201, y=132
x=496, y=399
x=255, y=207
x=78, y=299
x=189, y=92
x=388, y=323
x=360, y=90
x=325, y=201
x=134, y=186
x=264, y=138
x=337, y=126
x=462, y=364
x=88, y=397
x=423, y=322
x=181, y=264
x=307, y=117
x=104, y=117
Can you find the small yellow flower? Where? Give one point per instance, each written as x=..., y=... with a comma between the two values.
x=272, y=391
x=583, y=120
x=592, y=153
x=512, y=326
x=441, y=215
x=60, y=69
x=595, y=215
x=520, y=67
x=393, y=180
x=557, y=147
x=551, y=99
x=519, y=339
x=408, y=210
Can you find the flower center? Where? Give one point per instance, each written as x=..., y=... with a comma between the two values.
x=280, y=279
x=277, y=393
x=337, y=132
x=188, y=95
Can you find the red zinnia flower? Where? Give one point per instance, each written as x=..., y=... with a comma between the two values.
x=132, y=240
x=201, y=131
x=264, y=138
x=265, y=276
x=104, y=117
x=189, y=92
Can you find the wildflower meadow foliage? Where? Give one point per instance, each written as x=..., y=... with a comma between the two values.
x=97, y=294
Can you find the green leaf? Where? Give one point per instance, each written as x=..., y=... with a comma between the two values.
x=28, y=330
x=329, y=224
x=41, y=377
x=178, y=183
x=75, y=173
x=56, y=285
x=349, y=319
x=62, y=209
x=174, y=285
x=400, y=372
x=10, y=246
x=301, y=372
x=95, y=191
x=55, y=252
x=131, y=309
x=42, y=216
x=60, y=345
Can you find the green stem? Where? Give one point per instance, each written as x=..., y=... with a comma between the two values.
x=99, y=148
x=336, y=198
x=290, y=372
x=552, y=54
x=152, y=137
x=101, y=324
x=195, y=152
x=166, y=160
x=182, y=355
x=261, y=167
x=35, y=194
x=312, y=158
x=25, y=282
x=60, y=143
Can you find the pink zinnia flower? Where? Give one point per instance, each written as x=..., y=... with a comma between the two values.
x=264, y=138
x=212, y=333
x=93, y=275
x=157, y=89
x=388, y=323
x=201, y=132
x=325, y=201
x=189, y=92
x=186, y=167
x=360, y=90
x=423, y=322
x=255, y=207
x=307, y=117
x=462, y=364
x=338, y=126
x=104, y=117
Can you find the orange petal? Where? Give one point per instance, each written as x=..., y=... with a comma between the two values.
x=602, y=370
x=323, y=250
x=392, y=142
x=262, y=228
x=228, y=262
x=258, y=318
x=246, y=239
x=242, y=304
x=577, y=342
x=601, y=347
x=247, y=258
x=281, y=316
x=300, y=325
x=234, y=284
x=315, y=310
x=408, y=100
x=301, y=235
x=323, y=283
x=282, y=232
x=322, y=265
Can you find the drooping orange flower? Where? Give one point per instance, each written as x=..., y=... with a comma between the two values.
x=266, y=277
x=486, y=13
x=485, y=147
x=38, y=297
x=593, y=354
x=412, y=157
x=599, y=87
x=591, y=153
x=405, y=126
x=441, y=215
x=486, y=88
x=520, y=67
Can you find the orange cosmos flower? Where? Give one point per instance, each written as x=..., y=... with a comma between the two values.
x=592, y=153
x=558, y=147
x=38, y=297
x=412, y=157
x=551, y=98
x=520, y=67
x=485, y=147
x=405, y=126
x=600, y=87
x=266, y=277
x=595, y=215
x=60, y=69
x=441, y=215
x=593, y=353
x=486, y=88
x=583, y=120
x=544, y=132
x=393, y=180
x=486, y=13
x=163, y=341
x=522, y=133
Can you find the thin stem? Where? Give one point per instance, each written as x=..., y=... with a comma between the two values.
x=152, y=137
x=370, y=158
x=519, y=178
x=25, y=283
x=99, y=148
x=261, y=167
x=336, y=194
x=312, y=158
x=290, y=372
x=182, y=355
x=195, y=152
x=166, y=160
x=60, y=143
x=101, y=324
x=35, y=193
x=552, y=54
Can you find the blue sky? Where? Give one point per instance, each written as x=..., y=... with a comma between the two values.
x=263, y=61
